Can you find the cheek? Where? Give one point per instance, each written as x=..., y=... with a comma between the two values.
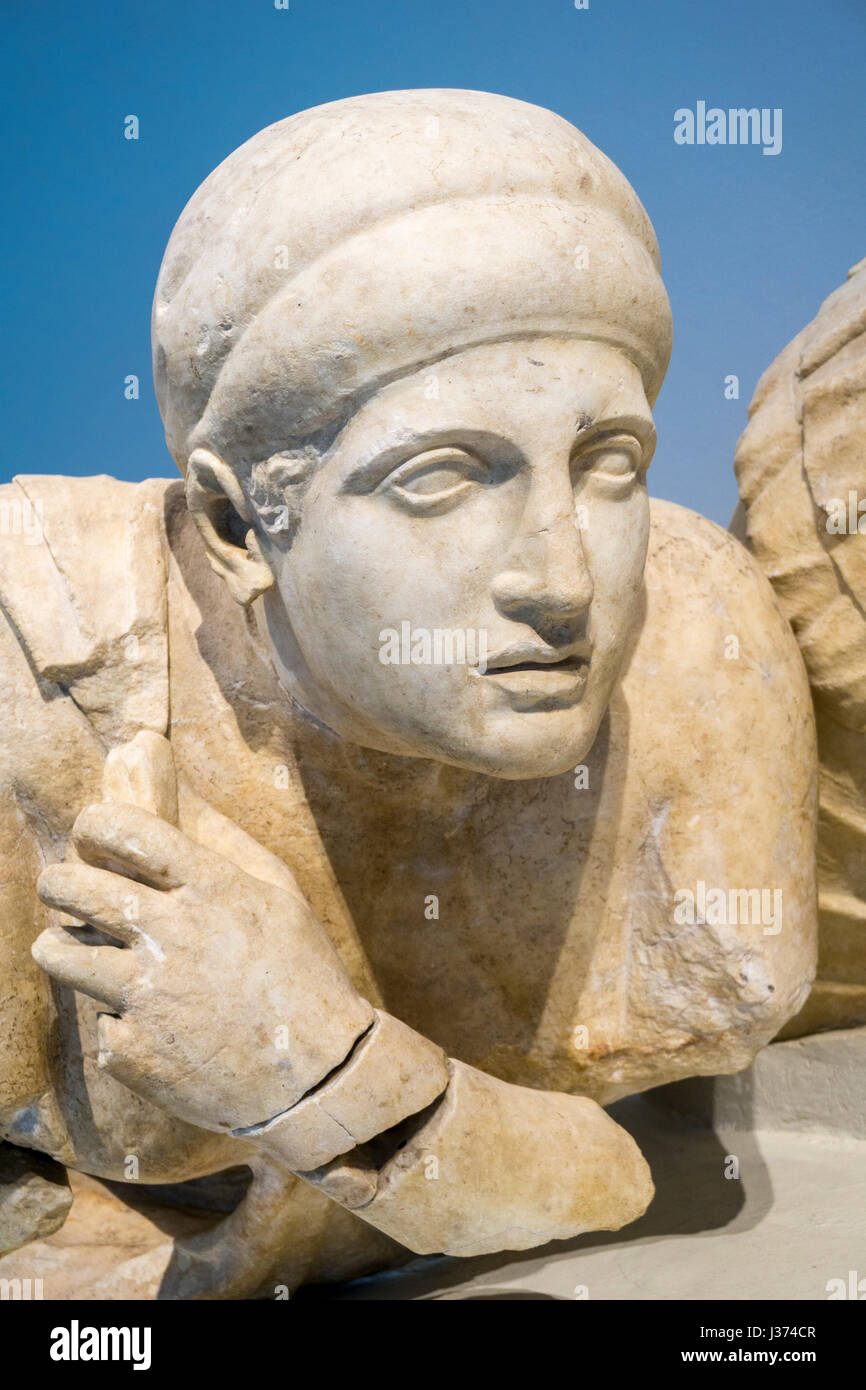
x=351, y=577
x=373, y=565
x=615, y=545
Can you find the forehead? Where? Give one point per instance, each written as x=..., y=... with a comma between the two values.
x=513, y=388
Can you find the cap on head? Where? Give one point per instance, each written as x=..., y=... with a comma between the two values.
x=347, y=245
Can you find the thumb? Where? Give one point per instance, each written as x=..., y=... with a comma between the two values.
x=142, y=773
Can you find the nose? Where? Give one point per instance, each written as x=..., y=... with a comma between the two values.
x=546, y=581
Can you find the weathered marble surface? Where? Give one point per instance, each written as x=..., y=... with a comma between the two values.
x=801, y=467
x=34, y=1197
x=411, y=924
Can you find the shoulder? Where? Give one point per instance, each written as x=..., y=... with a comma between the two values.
x=686, y=546
x=713, y=612
x=717, y=714
x=82, y=589
x=715, y=664
x=83, y=649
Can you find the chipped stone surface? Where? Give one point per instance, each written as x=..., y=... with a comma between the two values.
x=34, y=1197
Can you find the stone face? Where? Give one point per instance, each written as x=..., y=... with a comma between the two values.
x=438, y=788
x=801, y=475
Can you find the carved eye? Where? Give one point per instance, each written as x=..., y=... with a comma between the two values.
x=615, y=459
x=436, y=478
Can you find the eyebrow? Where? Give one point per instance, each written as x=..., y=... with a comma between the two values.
x=642, y=428
x=369, y=471
x=365, y=475
x=638, y=426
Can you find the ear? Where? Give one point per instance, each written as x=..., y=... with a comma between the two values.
x=224, y=520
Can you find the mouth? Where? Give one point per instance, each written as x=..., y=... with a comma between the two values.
x=540, y=677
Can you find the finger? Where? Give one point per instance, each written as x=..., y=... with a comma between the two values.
x=132, y=912
x=210, y=827
x=142, y=773
x=102, y=972
x=130, y=841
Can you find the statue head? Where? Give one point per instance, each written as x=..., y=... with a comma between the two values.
x=406, y=348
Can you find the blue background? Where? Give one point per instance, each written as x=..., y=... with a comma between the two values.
x=751, y=244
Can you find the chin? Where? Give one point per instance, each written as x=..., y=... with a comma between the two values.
x=519, y=754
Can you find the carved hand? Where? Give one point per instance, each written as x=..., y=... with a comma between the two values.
x=226, y=1000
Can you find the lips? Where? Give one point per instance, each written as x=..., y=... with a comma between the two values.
x=537, y=674
x=569, y=663
x=534, y=656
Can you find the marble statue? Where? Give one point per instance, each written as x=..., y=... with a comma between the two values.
x=800, y=466
x=401, y=787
